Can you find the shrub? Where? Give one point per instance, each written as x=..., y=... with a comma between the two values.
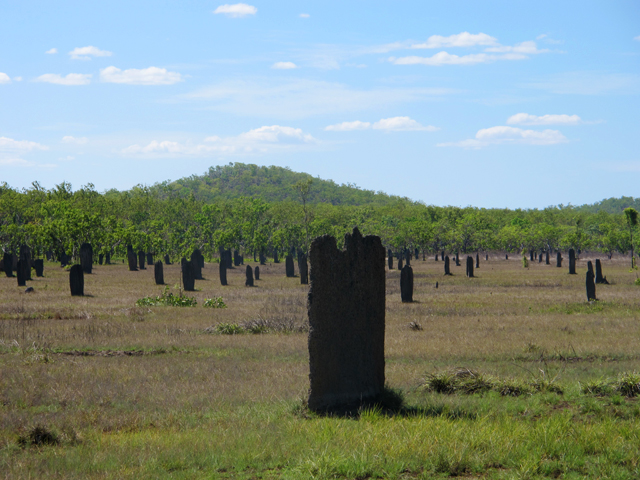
x=167, y=299
x=216, y=302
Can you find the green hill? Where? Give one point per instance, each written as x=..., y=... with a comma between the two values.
x=273, y=184
x=611, y=205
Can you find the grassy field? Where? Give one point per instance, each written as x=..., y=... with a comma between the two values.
x=95, y=387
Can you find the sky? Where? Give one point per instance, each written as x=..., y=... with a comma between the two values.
x=518, y=104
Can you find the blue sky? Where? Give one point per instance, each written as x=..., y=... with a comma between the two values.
x=491, y=104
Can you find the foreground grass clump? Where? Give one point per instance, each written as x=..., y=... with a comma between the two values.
x=166, y=298
x=627, y=384
x=468, y=382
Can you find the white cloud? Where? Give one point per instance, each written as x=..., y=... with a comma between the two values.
x=9, y=144
x=17, y=79
x=143, y=76
x=502, y=135
x=260, y=140
x=398, y=124
x=637, y=38
x=4, y=78
x=444, y=58
x=10, y=149
x=75, y=140
x=236, y=10
x=527, y=119
x=348, y=126
x=284, y=65
x=395, y=124
x=464, y=39
x=525, y=48
x=546, y=39
x=299, y=98
x=276, y=133
x=52, y=51
x=588, y=83
x=85, y=53
x=70, y=79
x=15, y=162
x=304, y=15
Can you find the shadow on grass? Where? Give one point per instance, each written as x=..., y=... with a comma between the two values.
x=390, y=403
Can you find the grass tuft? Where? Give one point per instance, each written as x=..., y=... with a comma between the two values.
x=468, y=382
x=38, y=436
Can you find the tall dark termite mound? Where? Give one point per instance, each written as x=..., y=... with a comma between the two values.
x=188, y=276
x=599, y=277
x=38, y=264
x=223, y=272
x=303, y=268
x=131, y=259
x=591, y=286
x=390, y=259
x=21, y=274
x=346, y=306
x=447, y=271
x=572, y=261
x=406, y=284
x=25, y=256
x=7, y=263
x=257, y=272
x=469, y=267
x=249, y=277
x=158, y=273
x=141, y=256
x=196, y=260
x=76, y=280
x=558, y=259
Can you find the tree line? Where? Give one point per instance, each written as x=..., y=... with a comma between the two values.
x=162, y=220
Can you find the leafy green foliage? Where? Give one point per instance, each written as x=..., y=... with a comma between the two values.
x=215, y=302
x=272, y=184
x=167, y=299
x=227, y=329
x=262, y=209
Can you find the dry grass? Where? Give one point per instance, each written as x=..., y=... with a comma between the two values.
x=158, y=367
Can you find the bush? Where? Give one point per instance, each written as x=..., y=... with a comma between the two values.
x=227, y=329
x=216, y=302
x=167, y=299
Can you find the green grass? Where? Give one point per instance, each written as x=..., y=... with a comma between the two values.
x=148, y=392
